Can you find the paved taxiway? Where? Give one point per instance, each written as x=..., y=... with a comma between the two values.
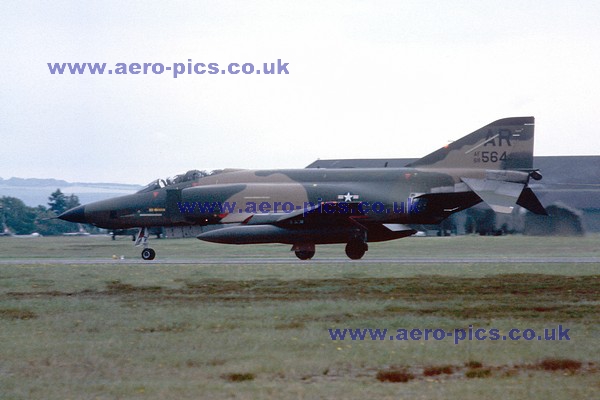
x=291, y=260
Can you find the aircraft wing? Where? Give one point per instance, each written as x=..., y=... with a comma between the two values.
x=328, y=222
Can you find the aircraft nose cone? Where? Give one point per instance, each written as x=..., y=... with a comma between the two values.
x=76, y=214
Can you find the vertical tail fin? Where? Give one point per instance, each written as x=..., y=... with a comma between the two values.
x=504, y=144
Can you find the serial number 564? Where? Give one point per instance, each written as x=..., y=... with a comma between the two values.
x=492, y=156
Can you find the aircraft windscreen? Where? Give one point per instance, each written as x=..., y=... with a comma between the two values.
x=189, y=176
x=154, y=185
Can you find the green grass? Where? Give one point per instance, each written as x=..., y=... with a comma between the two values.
x=125, y=330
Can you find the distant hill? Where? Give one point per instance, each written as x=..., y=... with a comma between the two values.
x=34, y=191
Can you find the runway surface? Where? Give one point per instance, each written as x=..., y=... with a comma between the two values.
x=293, y=260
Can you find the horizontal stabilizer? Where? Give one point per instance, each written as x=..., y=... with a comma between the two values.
x=501, y=196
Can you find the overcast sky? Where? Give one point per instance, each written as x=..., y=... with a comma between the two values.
x=367, y=79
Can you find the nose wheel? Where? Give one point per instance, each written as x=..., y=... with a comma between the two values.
x=142, y=239
x=148, y=254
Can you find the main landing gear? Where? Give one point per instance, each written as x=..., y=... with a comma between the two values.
x=355, y=249
x=142, y=239
x=304, y=251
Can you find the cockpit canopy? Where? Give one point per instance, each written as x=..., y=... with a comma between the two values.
x=189, y=176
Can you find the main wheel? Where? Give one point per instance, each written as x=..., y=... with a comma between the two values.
x=355, y=249
x=305, y=254
x=148, y=254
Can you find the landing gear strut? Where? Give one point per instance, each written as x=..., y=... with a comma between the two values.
x=356, y=248
x=142, y=239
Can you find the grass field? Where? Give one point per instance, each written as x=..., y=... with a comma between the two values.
x=244, y=331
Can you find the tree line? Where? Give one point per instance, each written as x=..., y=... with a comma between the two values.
x=21, y=219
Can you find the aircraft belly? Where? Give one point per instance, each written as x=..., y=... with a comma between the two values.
x=255, y=234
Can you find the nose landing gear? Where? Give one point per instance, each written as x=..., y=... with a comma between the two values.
x=142, y=239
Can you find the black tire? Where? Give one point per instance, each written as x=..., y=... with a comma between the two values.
x=148, y=254
x=356, y=249
x=305, y=254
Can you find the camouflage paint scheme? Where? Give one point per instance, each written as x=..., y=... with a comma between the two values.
x=492, y=164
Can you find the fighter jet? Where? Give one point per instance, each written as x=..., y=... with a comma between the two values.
x=311, y=206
